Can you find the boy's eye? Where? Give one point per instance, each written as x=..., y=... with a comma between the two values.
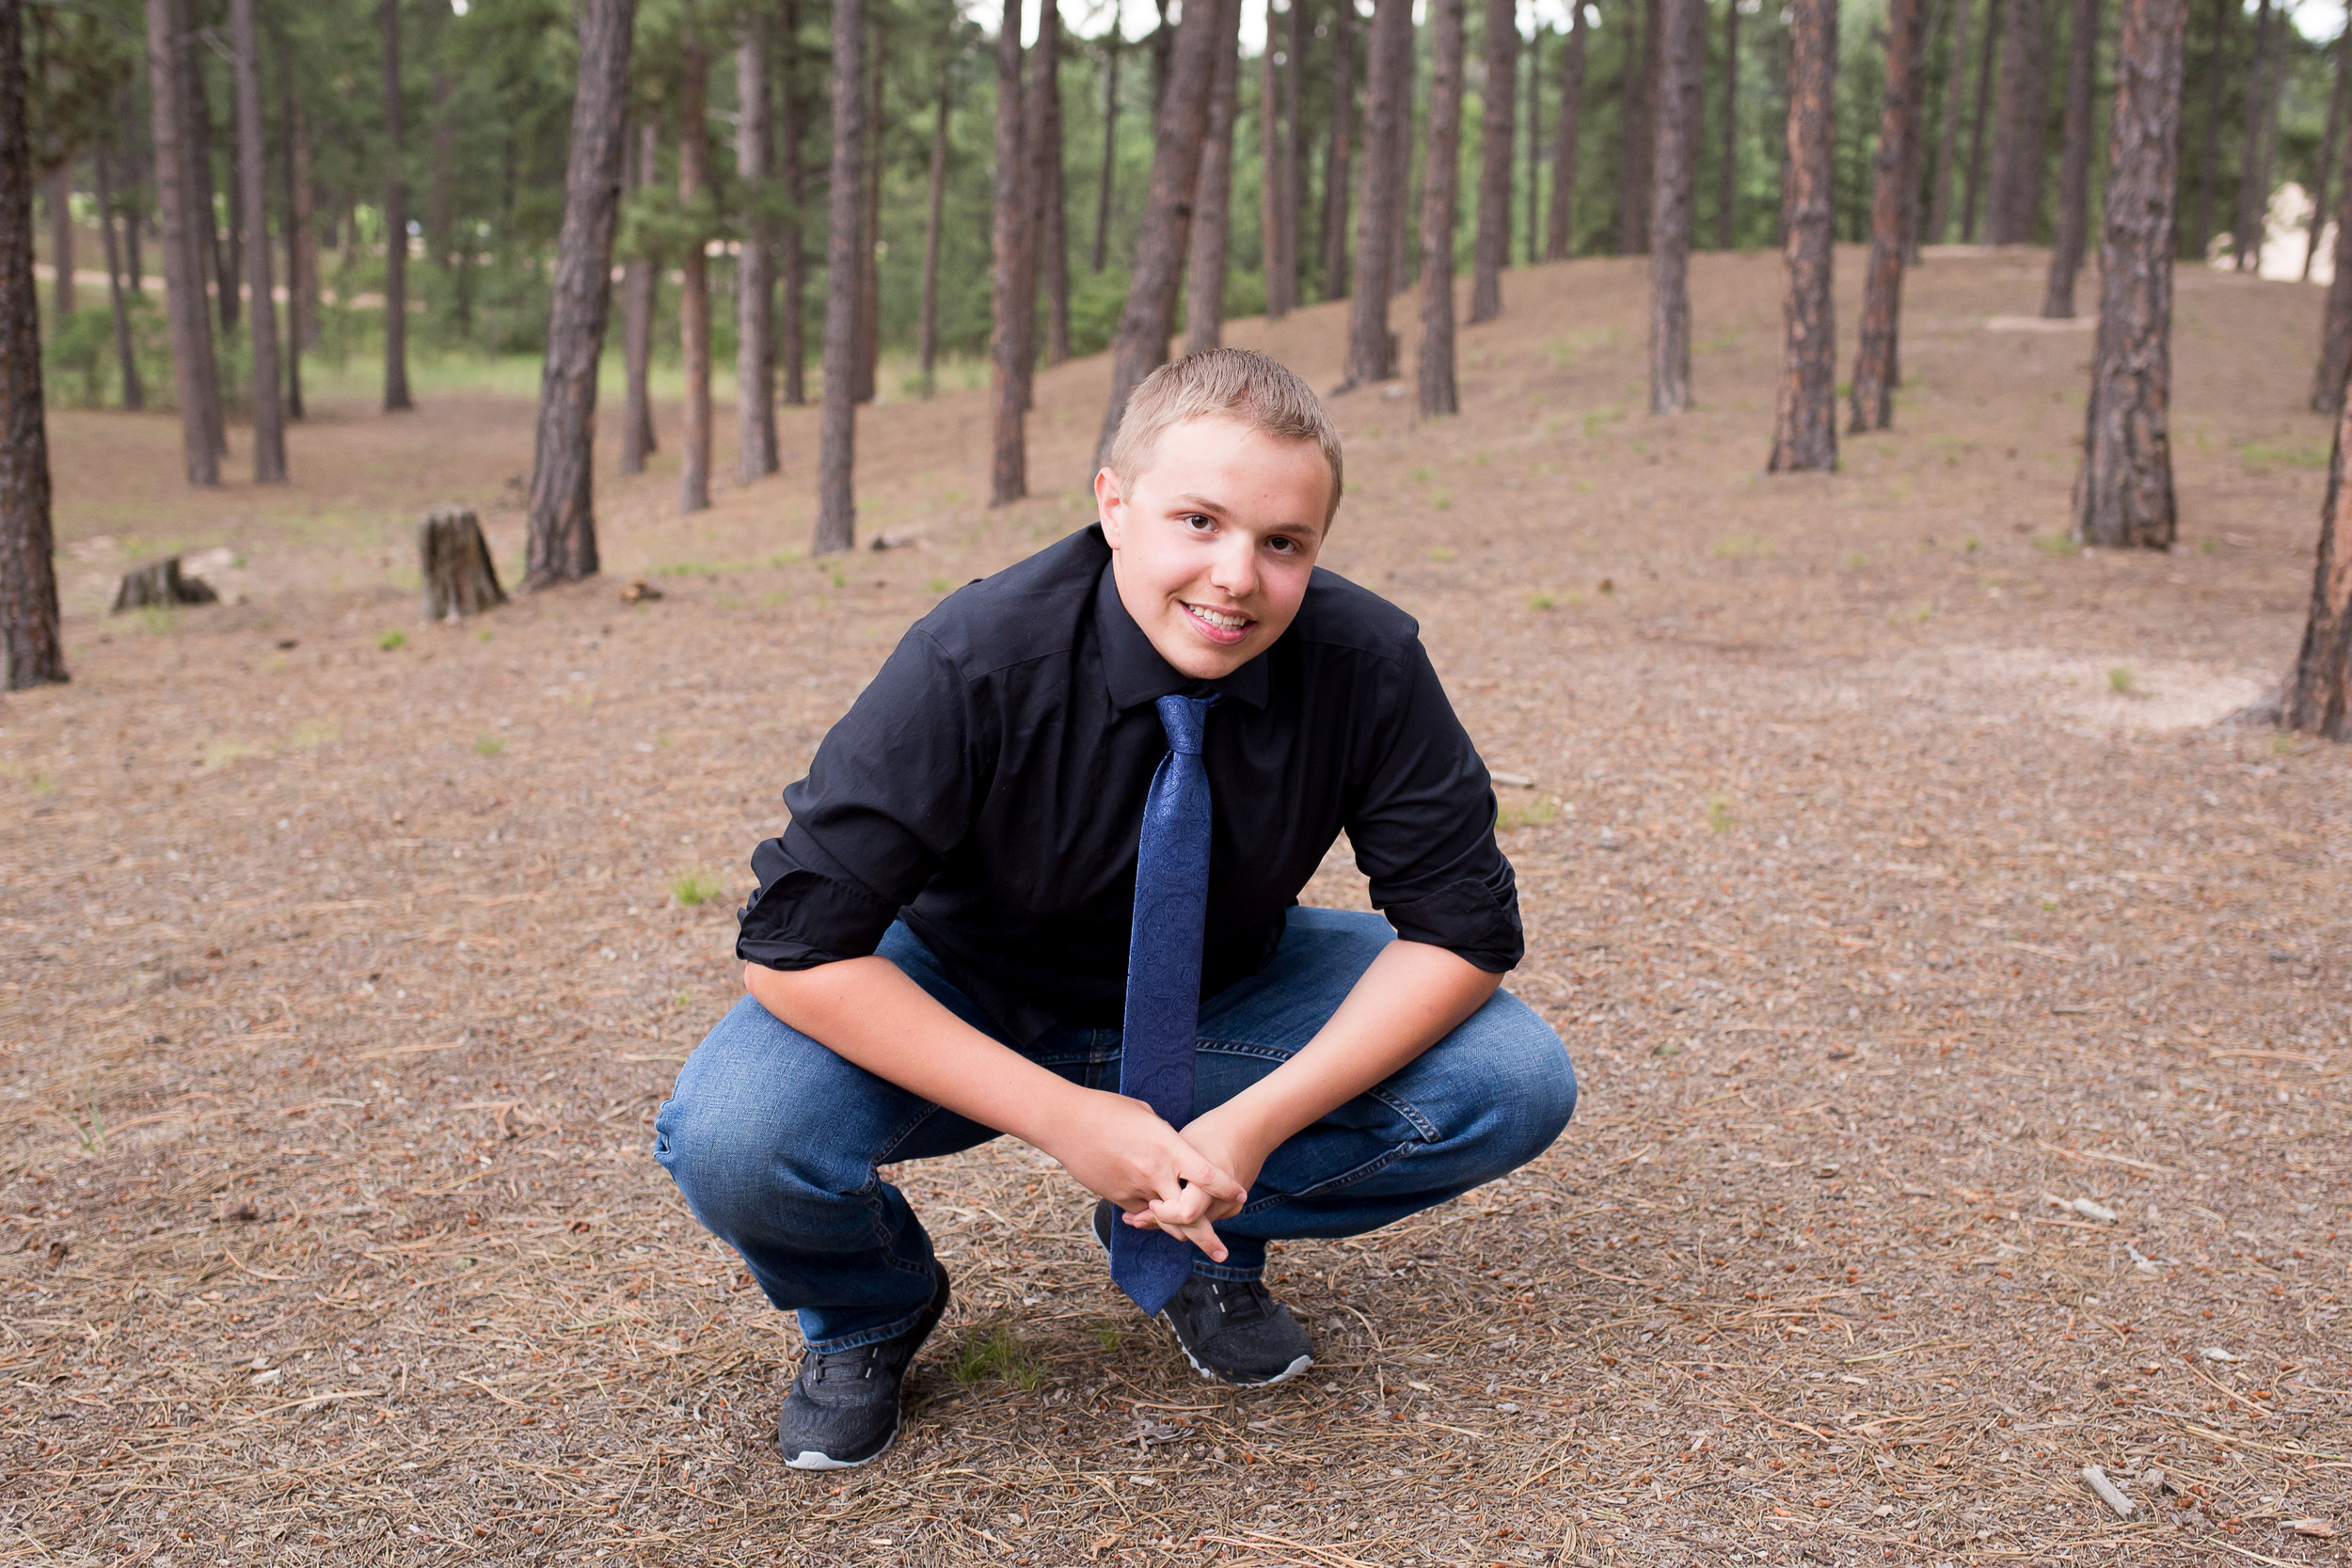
x=1199, y=520
x=1282, y=545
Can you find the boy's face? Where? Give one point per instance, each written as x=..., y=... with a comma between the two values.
x=1213, y=544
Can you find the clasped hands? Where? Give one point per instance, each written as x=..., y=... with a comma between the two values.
x=1161, y=1179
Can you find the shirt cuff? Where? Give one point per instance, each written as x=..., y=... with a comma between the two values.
x=801, y=919
x=1476, y=923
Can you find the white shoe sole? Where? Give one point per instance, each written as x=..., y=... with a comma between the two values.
x=810, y=1459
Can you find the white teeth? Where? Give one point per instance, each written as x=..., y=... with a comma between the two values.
x=1218, y=618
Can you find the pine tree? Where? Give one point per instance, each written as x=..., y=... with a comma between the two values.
x=844, y=229
x=269, y=417
x=1883, y=284
x=1008, y=293
x=1492, y=249
x=2073, y=215
x=196, y=383
x=1805, y=429
x=1682, y=67
x=1213, y=201
x=1438, y=395
x=693, y=294
x=755, y=270
x=1371, y=346
x=395, y=221
x=31, y=650
x=1560, y=238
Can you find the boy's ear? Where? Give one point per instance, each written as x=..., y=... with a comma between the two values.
x=1109, y=506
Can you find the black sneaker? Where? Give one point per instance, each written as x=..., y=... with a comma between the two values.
x=843, y=1410
x=1233, y=1331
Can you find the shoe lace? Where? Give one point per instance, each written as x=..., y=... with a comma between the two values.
x=842, y=1365
x=1244, y=1301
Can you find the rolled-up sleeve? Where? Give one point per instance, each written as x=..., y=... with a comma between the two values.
x=1423, y=831
x=887, y=798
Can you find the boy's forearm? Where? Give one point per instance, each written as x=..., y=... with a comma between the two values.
x=867, y=1011
x=1412, y=996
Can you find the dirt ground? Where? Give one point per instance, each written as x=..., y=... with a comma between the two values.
x=1960, y=1003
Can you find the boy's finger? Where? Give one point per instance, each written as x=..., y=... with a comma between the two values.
x=1207, y=1174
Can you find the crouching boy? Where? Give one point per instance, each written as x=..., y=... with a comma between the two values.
x=1042, y=880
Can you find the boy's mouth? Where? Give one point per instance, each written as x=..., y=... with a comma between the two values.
x=1224, y=628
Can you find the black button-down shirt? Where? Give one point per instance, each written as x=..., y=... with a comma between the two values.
x=988, y=788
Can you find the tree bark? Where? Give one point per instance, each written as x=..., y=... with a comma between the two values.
x=1727, y=175
x=1636, y=135
x=1371, y=346
x=1978, y=121
x=1438, y=196
x=294, y=165
x=1805, y=430
x=1400, y=154
x=1682, y=71
x=302, y=260
x=453, y=560
x=641, y=281
x=1338, y=178
x=1497, y=139
x=845, y=227
x=693, y=294
x=204, y=229
x=1533, y=249
x=755, y=269
x=1008, y=321
x=1883, y=284
x=927, y=324
x=1295, y=174
x=395, y=221
x=1140, y=344
x=1276, y=242
x=194, y=379
x=2335, y=341
x=562, y=546
x=2124, y=494
x=2251, y=189
x=1052, y=236
x=2323, y=175
x=126, y=359
x=1106, y=177
x=2318, y=694
x=2073, y=213
x=1948, y=138
x=2018, y=135
x=31, y=650
x=2209, y=154
x=869, y=245
x=269, y=416
x=1213, y=203
x=1560, y=239
x=791, y=344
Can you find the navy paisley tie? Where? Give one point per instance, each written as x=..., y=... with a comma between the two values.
x=1164, y=977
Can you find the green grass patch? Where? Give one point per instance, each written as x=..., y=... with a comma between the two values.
x=489, y=745
x=1743, y=546
x=2120, y=680
x=2056, y=544
x=1525, y=811
x=1440, y=553
x=998, y=1355
x=393, y=640
x=1719, y=815
x=2263, y=455
x=694, y=889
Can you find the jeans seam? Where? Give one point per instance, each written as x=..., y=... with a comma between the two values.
x=1404, y=1108
x=1337, y=1184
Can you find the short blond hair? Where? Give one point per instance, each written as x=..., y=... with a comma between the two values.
x=1233, y=383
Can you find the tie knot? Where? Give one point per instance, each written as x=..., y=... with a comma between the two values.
x=1185, y=719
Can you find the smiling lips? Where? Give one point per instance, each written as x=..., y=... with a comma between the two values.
x=1221, y=627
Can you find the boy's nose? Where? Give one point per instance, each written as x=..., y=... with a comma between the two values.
x=1235, y=570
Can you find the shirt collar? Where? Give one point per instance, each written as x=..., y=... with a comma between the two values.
x=1134, y=670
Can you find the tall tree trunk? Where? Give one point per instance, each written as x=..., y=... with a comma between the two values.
x=395, y=221
x=869, y=251
x=2323, y=175
x=1295, y=174
x=755, y=268
x=1053, y=231
x=2124, y=494
x=2024, y=115
x=1009, y=321
x=1637, y=134
x=641, y=280
x=1106, y=175
x=562, y=544
x=194, y=380
x=2335, y=343
x=1682, y=72
x=844, y=227
x=269, y=418
x=1140, y=344
x=59, y=198
x=1163, y=42
x=1727, y=174
x=294, y=165
x=693, y=294
x=128, y=135
x=31, y=652
x=1337, y=177
x=791, y=344
x=1560, y=240
x=1497, y=138
x=1533, y=251
x=2209, y=155
x=1947, y=136
x=926, y=325
x=1213, y=201
x=2318, y=693
x=1400, y=152
x=2271, y=71
x=2246, y=233
x=1274, y=185
x=1437, y=203
x=1371, y=346
x=126, y=359
x=1883, y=285
x=197, y=102
x=1916, y=148
x=1805, y=434
x=302, y=264
x=439, y=246
x=1994, y=11
x=2073, y=215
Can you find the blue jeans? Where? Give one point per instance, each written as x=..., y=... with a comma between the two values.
x=775, y=1140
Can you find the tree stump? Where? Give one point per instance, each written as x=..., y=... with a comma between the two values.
x=454, y=561
x=159, y=582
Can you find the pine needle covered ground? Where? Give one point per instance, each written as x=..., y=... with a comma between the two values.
x=1959, y=1007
